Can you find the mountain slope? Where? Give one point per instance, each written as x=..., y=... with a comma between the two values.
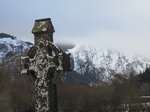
x=103, y=64
x=90, y=65
x=10, y=46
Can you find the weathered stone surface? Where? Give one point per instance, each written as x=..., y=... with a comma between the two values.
x=42, y=26
x=45, y=62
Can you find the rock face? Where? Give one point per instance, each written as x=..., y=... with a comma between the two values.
x=10, y=46
x=96, y=65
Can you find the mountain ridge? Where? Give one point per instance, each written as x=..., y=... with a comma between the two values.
x=103, y=64
x=10, y=46
x=90, y=65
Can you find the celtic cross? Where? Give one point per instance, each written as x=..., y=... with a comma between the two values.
x=45, y=62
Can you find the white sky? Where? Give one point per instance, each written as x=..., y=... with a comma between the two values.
x=118, y=24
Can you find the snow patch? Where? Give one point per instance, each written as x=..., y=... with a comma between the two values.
x=106, y=61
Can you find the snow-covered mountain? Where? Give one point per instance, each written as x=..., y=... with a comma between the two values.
x=10, y=46
x=90, y=65
x=100, y=64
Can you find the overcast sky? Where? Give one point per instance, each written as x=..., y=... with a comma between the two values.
x=118, y=24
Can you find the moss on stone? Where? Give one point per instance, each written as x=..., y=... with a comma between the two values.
x=42, y=26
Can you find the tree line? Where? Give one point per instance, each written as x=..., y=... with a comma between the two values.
x=118, y=95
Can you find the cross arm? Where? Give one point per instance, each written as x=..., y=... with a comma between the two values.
x=63, y=62
x=25, y=65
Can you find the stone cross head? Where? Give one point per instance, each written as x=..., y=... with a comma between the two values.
x=45, y=56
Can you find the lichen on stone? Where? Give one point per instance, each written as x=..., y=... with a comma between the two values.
x=40, y=26
x=40, y=64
